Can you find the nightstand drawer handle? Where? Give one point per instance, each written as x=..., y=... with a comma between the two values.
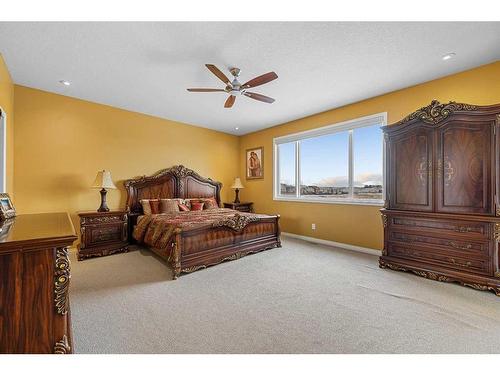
x=107, y=234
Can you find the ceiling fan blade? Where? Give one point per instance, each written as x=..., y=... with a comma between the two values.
x=230, y=101
x=218, y=73
x=205, y=90
x=259, y=97
x=260, y=80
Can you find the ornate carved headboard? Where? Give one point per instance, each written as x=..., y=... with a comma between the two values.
x=175, y=182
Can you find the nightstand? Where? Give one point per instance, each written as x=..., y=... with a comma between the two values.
x=243, y=206
x=102, y=233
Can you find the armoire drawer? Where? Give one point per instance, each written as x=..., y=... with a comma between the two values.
x=454, y=244
x=440, y=257
x=447, y=228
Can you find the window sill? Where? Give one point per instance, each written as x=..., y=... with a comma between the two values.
x=358, y=202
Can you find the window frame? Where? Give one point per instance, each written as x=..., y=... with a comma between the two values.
x=3, y=156
x=350, y=126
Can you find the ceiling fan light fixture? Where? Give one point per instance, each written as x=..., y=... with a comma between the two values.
x=235, y=88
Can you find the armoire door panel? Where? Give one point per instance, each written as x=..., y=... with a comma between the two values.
x=465, y=171
x=411, y=171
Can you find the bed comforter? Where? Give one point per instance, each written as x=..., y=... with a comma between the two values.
x=157, y=231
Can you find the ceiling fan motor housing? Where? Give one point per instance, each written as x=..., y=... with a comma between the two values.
x=235, y=72
x=235, y=88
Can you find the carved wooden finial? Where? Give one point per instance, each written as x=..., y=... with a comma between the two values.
x=236, y=222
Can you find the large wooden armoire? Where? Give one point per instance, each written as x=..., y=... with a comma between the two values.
x=442, y=212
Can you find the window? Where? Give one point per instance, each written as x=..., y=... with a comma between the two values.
x=337, y=163
x=287, y=175
x=323, y=173
x=3, y=150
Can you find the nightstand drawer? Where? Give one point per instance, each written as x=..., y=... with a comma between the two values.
x=103, y=219
x=243, y=206
x=104, y=233
x=244, y=209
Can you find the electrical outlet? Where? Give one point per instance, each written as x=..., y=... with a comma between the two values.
x=313, y=226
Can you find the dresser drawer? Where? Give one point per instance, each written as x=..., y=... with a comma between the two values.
x=448, y=228
x=440, y=257
x=453, y=244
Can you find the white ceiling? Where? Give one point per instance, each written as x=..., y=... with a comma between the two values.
x=146, y=67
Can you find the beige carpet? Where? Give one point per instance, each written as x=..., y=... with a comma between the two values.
x=302, y=298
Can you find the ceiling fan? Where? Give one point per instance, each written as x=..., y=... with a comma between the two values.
x=235, y=88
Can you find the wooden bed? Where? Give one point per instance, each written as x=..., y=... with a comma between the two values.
x=191, y=250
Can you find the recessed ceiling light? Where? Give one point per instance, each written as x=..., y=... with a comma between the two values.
x=449, y=56
x=64, y=82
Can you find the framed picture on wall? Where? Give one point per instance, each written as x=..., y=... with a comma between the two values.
x=7, y=209
x=255, y=163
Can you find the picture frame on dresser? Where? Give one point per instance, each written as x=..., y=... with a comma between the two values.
x=7, y=209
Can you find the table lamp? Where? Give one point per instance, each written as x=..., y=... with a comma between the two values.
x=237, y=185
x=103, y=181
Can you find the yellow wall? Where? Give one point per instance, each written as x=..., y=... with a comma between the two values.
x=62, y=142
x=357, y=225
x=7, y=104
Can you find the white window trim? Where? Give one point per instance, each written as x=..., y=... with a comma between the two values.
x=350, y=125
x=3, y=129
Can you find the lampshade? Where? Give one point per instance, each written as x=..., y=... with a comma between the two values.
x=237, y=184
x=103, y=181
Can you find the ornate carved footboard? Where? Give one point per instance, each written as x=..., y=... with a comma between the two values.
x=225, y=240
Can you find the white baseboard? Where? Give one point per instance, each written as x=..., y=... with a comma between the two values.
x=346, y=246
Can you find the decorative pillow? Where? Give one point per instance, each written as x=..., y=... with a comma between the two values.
x=186, y=202
x=146, y=207
x=169, y=206
x=197, y=206
x=155, y=206
x=183, y=207
x=210, y=203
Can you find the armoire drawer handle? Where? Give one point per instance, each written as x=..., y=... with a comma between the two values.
x=457, y=246
x=466, y=265
x=463, y=229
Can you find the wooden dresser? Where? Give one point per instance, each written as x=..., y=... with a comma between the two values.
x=102, y=233
x=34, y=284
x=442, y=214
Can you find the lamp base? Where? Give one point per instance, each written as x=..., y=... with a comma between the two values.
x=237, y=198
x=104, y=207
